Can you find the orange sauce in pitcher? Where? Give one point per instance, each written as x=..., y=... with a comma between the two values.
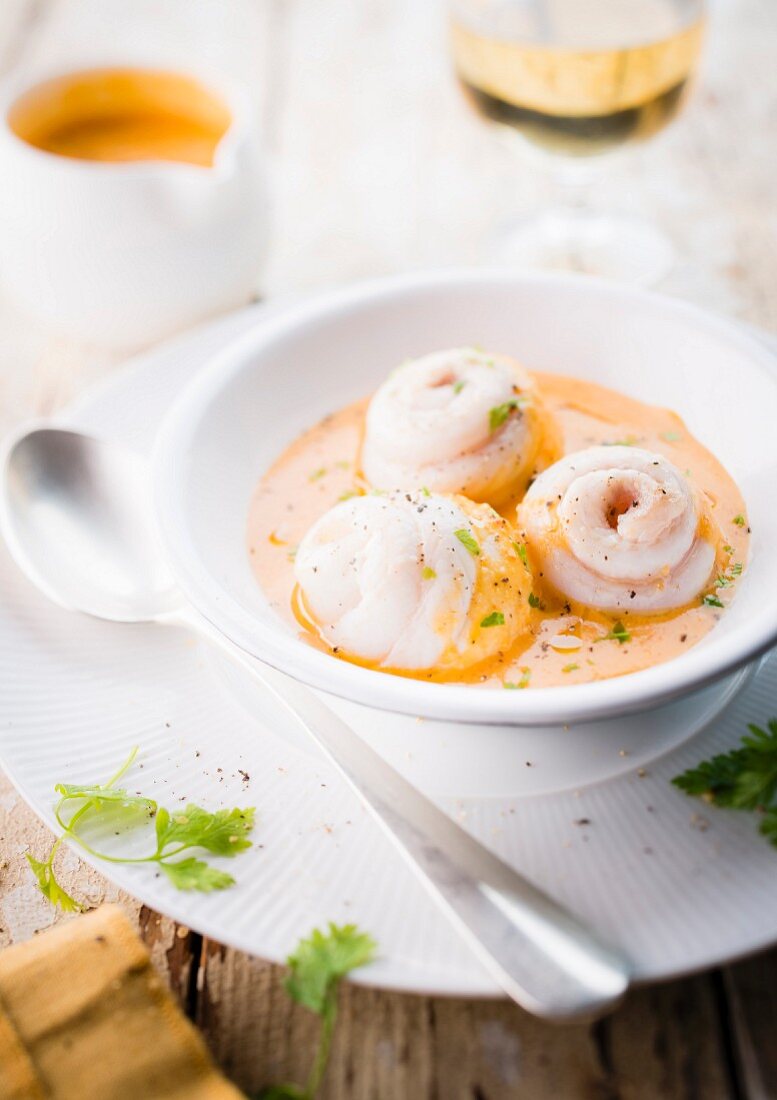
x=122, y=115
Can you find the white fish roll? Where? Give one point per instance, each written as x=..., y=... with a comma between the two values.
x=619, y=529
x=411, y=581
x=457, y=421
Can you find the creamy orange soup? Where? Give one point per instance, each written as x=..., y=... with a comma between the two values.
x=321, y=468
x=122, y=115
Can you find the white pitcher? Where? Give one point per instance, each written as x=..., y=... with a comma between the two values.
x=124, y=253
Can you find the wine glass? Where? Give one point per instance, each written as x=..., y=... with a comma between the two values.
x=577, y=79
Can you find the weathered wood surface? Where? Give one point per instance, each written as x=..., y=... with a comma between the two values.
x=377, y=168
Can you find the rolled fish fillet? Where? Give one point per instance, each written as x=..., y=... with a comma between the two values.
x=457, y=421
x=620, y=529
x=412, y=581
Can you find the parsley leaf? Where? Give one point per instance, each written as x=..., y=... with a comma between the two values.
x=618, y=634
x=225, y=832
x=467, y=539
x=459, y=385
x=712, y=601
x=768, y=825
x=196, y=874
x=534, y=601
x=428, y=573
x=743, y=779
x=739, y=520
x=48, y=885
x=102, y=796
x=320, y=961
x=496, y=618
x=316, y=969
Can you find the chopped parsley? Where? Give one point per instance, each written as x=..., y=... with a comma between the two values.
x=499, y=414
x=428, y=573
x=522, y=553
x=317, y=474
x=570, y=668
x=522, y=683
x=739, y=520
x=670, y=437
x=496, y=618
x=712, y=601
x=459, y=385
x=725, y=580
x=618, y=634
x=534, y=601
x=347, y=495
x=467, y=539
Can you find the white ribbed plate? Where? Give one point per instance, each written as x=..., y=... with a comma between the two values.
x=678, y=885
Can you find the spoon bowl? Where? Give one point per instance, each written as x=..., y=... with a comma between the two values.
x=76, y=515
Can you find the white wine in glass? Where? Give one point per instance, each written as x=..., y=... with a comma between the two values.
x=578, y=78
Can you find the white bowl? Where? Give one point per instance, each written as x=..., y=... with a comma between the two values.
x=264, y=389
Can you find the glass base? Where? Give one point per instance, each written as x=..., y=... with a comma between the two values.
x=614, y=246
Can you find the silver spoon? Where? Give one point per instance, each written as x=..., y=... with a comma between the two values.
x=75, y=513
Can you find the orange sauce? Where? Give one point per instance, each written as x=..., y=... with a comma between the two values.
x=321, y=467
x=120, y=115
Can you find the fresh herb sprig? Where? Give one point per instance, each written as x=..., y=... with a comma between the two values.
x=316, y=968
x=743, y=779
x=223, y=833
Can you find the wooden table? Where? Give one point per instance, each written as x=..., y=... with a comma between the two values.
x=378, y=168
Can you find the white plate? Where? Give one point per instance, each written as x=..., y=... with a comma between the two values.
x=257, y=396
x=77, y=694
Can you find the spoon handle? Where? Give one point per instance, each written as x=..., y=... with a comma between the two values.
x=543, y=957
